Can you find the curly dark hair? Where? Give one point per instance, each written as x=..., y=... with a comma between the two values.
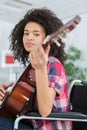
x=49, y=21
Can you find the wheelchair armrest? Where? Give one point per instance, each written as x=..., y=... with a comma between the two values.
x=70, y=116
x=62, y=115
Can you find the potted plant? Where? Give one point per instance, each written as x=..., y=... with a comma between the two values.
x=72, y=65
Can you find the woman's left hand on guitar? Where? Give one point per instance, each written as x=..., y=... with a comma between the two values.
x=3, y=88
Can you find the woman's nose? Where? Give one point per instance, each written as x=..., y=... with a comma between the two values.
x=30, y=37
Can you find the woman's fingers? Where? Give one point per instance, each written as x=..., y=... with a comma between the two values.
x=2, y=92
x=9, y=85
x=47, y=49
x=5, y=86
x=39, y=57
x=3, y=89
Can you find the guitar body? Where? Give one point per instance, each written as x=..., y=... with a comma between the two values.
x=20, y=95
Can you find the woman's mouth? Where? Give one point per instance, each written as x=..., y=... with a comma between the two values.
x=29, y=44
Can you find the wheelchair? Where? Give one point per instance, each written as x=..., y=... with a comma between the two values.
x=78, y=108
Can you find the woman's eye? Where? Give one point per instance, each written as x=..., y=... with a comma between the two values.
x=25, y=33
x=36, y=34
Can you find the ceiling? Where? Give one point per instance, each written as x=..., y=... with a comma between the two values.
x=13, y=10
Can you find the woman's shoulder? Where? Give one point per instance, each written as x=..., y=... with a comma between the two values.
x=52, y=59
x=53, y=62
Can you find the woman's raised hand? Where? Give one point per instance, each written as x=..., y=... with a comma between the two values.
x=39, y=57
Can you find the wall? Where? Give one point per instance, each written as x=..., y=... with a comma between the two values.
x=7, y=73
x=78, y=38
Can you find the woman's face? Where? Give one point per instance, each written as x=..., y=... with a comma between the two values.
x=33, y=36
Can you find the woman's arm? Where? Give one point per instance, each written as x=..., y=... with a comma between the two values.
x=45, y=94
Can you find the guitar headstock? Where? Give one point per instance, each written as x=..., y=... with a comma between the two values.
x=62, y=31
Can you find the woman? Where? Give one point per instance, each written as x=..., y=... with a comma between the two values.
x=51, y=83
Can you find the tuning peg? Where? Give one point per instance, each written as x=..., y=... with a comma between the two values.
x=69, y=35
x=64, y=40
x=56, y=41
x=63, y=34
x=46, y=39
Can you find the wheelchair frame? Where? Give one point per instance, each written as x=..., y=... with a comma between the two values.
x=65, y=116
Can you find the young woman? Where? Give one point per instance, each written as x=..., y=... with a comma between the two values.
x=51, y=82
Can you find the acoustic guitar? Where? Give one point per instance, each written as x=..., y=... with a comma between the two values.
x=23, y=91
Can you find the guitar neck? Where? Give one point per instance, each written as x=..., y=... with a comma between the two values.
x=63, y=30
